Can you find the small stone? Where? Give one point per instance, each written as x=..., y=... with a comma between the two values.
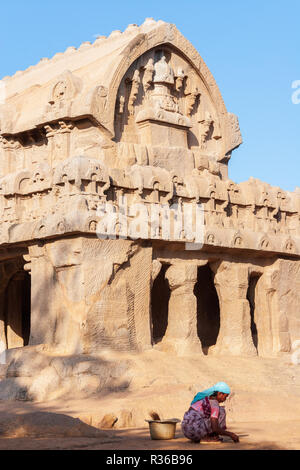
x=108, y=421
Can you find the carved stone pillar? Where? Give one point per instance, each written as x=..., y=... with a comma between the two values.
x=14, y=304
x=181, y=335
x=43, y=317
x=231, y=281
x=12, y=158
x=3, y=163
x=59, y=140
x=58, y=307
x=277, y=300
x=3, y=285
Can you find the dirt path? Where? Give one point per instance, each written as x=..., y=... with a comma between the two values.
x=254, y=436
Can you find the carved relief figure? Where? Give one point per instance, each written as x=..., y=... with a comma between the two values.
x=148, y=75
x=205, y=129
x=134, y=91
x=59, y=94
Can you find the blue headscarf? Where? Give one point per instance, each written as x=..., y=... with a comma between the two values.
x=219, y=387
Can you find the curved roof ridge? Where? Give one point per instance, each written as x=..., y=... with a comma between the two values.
x=100, y=40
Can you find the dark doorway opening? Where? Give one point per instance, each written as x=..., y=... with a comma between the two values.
x=17, y=306
x=251, y=299
x=160, y=297
x=208, y=309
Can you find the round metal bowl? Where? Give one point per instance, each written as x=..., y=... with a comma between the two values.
x=163, y=430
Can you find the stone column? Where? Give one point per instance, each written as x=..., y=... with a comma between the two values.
x=11, y=304
x=3, y=286
x=58, y=308
x=181, y=335
x=231, y=281
x=43, y=298
x=278, y=297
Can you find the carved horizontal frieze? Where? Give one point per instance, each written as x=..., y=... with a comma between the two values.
x=78, y=214
x=258, y=199
x=68, y=198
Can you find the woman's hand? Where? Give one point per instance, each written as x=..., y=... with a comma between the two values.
x=234, y=437
x=217, y=430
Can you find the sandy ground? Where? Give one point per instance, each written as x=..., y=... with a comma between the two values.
x=264, y=408
x=253, y=436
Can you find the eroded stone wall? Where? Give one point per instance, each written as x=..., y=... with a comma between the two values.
x=89, y=294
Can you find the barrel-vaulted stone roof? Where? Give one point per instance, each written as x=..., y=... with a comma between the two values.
x=92, y=69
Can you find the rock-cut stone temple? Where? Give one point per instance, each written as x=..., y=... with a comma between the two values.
x=120, y=228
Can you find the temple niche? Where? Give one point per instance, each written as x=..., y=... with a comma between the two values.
x=163, y=104
x=120, y=229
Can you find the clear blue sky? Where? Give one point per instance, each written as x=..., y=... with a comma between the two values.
x=251, y=47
